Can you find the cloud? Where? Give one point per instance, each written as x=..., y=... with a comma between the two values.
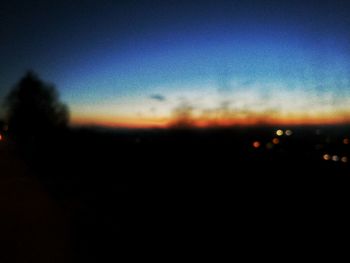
x=158, y=97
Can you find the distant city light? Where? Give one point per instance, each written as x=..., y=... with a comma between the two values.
x=326, y=157
x=335, y=158
x=279, y=132
x=275, y=141
x=256, y=144
x=288, y=132
x=344, y=159
x=346, y=141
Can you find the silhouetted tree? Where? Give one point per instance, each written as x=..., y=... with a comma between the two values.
x=33, y=108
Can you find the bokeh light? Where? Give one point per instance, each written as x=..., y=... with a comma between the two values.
x=279, y=132
x=288, y=132
x=256, y=144
x=346, y=141
x=275, y=141
x=344, y=159
x=335, y=158
x=326, y=157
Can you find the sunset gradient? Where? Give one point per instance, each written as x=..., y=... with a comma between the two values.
x=202, y=63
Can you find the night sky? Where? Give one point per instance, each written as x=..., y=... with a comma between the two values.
x=140, y=63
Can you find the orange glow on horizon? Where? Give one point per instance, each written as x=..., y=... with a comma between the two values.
x=118, y=122
x=148, y=122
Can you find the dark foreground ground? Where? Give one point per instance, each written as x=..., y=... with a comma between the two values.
x=124, y=195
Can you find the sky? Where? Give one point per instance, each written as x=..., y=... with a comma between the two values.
x=158, y=63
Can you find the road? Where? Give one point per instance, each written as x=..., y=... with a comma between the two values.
x=33, y=227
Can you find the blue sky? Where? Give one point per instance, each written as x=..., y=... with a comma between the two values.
x=110, y=59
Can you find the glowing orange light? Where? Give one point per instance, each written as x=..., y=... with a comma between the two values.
x=344, y=159
x=346, y=141
x=275, y=141
x=256, y=144
x=0, y=137
x=128, y=119
x=279, y=132
x=326, y=157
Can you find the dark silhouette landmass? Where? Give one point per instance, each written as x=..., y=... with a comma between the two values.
x=125, y=195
